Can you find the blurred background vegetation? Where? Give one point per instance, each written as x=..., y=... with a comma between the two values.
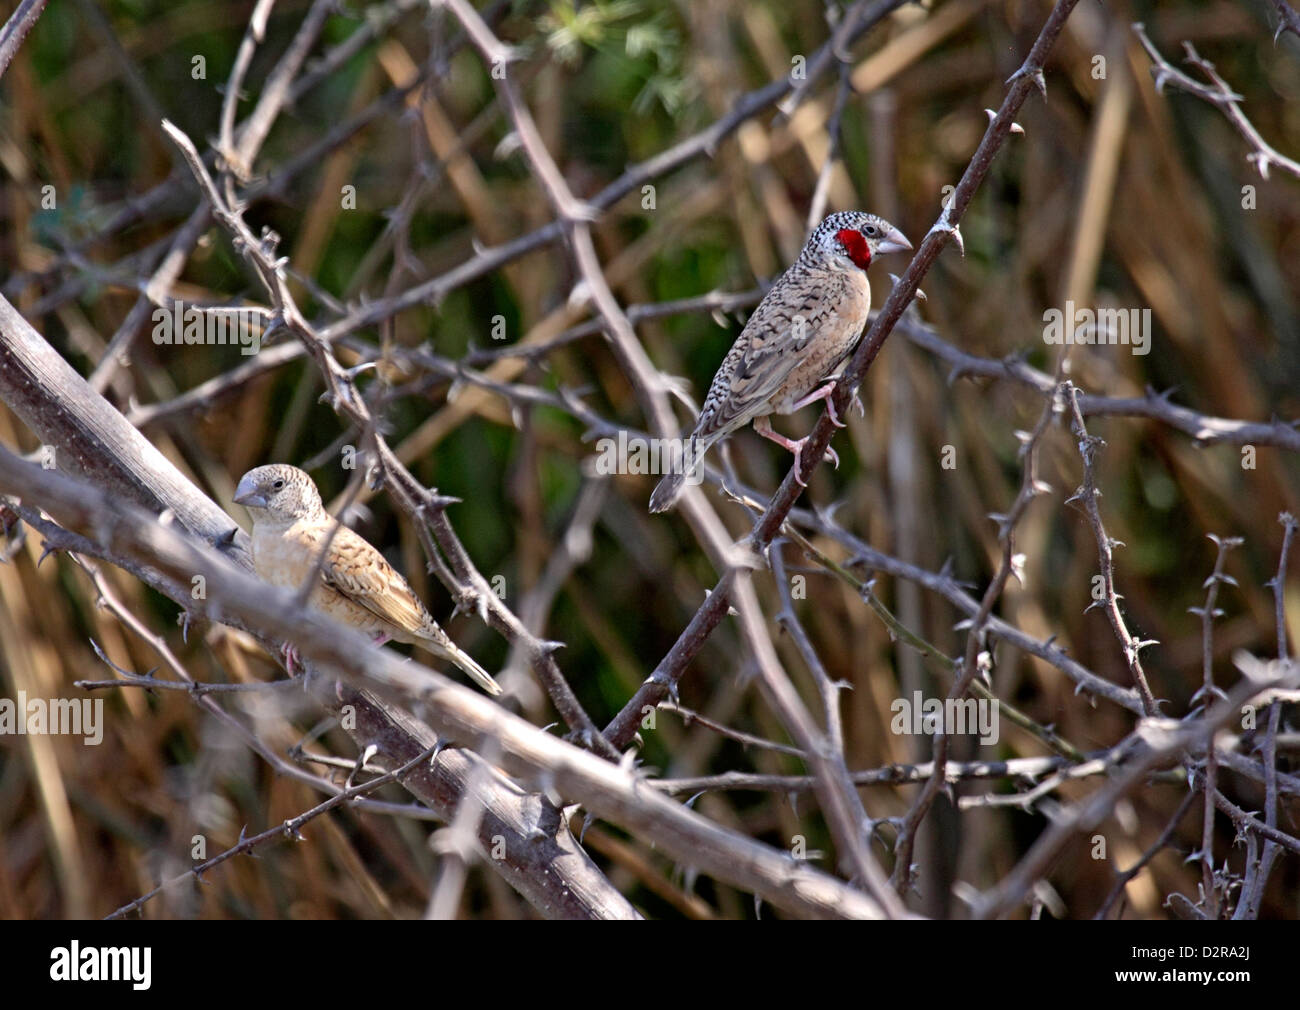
x=1115, y=195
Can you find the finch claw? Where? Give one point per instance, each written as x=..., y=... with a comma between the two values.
x=832, y=457
x=291, y=659
x=797, y=449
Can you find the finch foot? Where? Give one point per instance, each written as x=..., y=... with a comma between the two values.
x=764, y=427
x=824, y=393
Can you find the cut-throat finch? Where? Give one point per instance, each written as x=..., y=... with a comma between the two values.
x=791, y=349
x=356, y=585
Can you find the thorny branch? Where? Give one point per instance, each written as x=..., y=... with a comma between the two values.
x=1152, y=753
x=1219, y=94
x=978, y=660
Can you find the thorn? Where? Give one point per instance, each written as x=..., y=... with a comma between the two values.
x=510, y=143
x=731, y=611
x=365, y=366
x=955, y=231
x=1015, y=127
x=580, y=295
x=1035, y=75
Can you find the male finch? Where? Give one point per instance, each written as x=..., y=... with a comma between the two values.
x=790, y=350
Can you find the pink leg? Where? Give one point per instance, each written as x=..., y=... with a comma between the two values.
x=763, y=426
x=823, y=394
x=290, y=655
x=381, y=638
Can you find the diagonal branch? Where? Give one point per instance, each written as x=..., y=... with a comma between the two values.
x=1221, y=96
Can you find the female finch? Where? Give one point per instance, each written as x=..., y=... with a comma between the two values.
x=356, y=585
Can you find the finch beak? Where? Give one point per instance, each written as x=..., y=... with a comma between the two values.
x=248, y=495
x=894, y=241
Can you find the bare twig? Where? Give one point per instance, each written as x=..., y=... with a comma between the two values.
x=1208, y=691
x=1221, y=96
x=1158, y=846
x=1157, y=742
x=978, y=661
x=291, y=829
x=16, y=29
x=1258, y=872
x=1087, y=495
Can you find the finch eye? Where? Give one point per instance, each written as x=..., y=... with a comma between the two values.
x=277, y=485
x=869, y=230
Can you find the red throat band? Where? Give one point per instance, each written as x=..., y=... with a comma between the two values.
x=855, y=245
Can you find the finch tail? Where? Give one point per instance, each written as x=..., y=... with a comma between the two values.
x=668, y=490
x=444, y=648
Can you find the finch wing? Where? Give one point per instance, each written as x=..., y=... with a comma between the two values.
x=356, y=570
x=759, y=362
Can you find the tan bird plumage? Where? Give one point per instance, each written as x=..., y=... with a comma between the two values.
x=791, y=349
x=357, y=587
